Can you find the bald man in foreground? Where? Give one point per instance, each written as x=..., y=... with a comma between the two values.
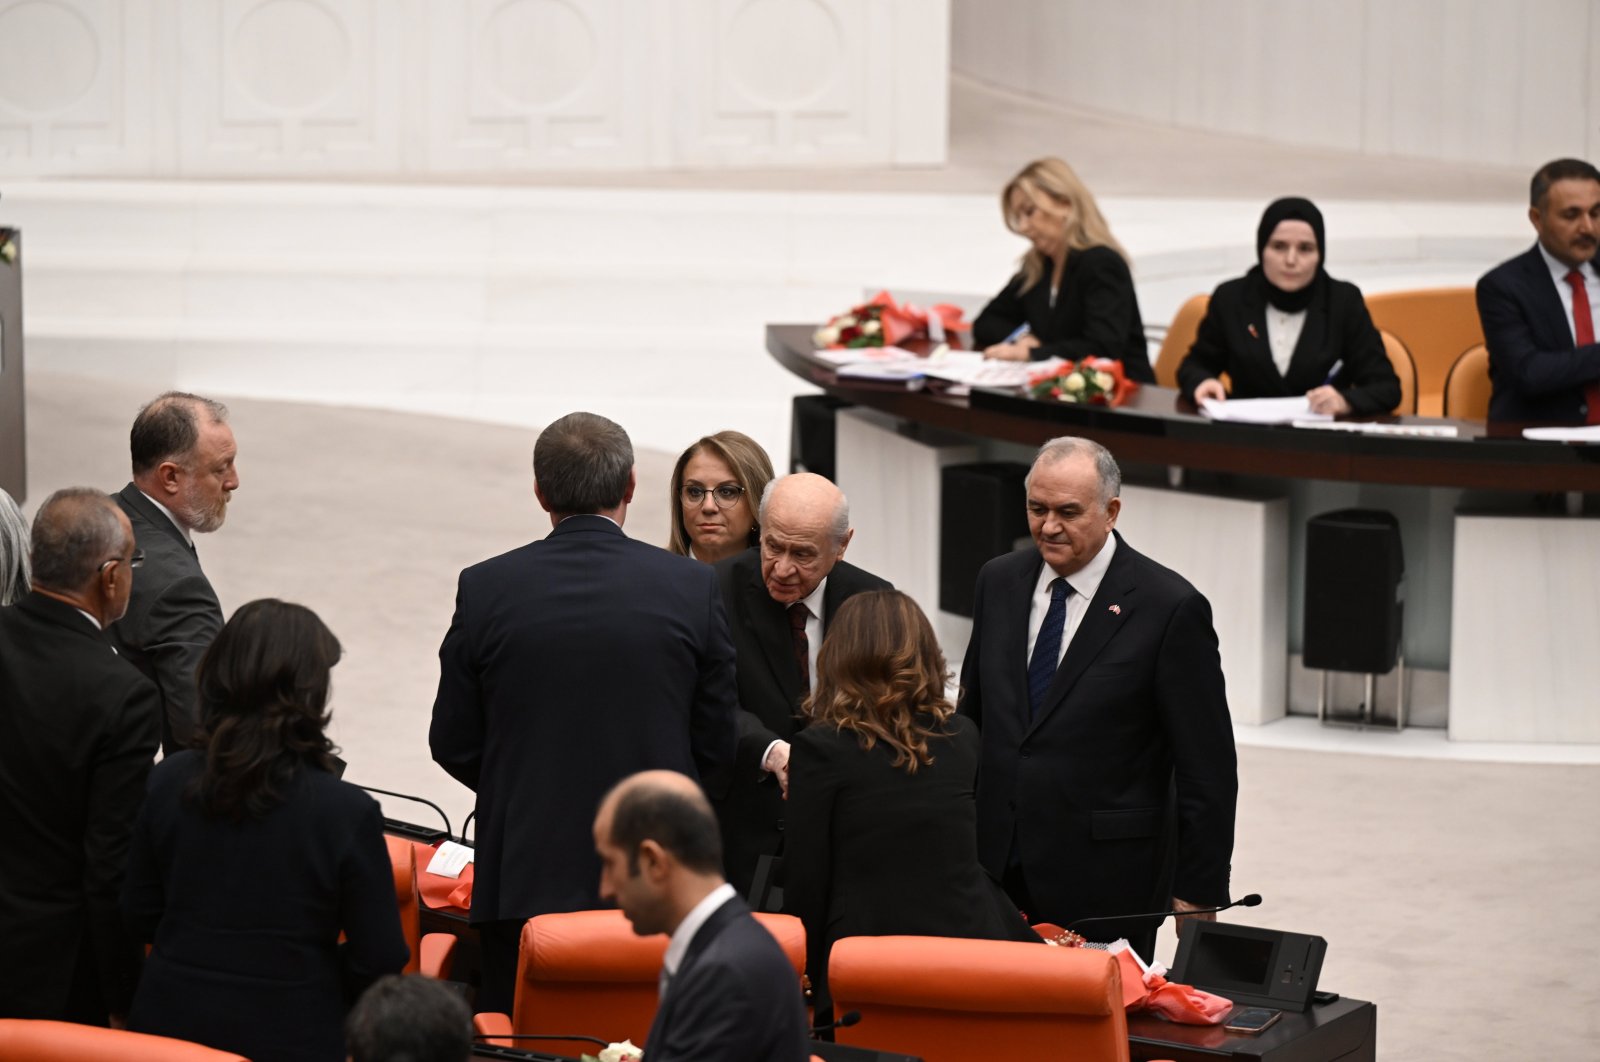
x=728, y=993
x=780, y=597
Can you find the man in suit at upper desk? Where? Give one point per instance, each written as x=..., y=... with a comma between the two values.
x=728, y=992
x=183, y=475
x=78, y=733
x=1108, y=780
x=779, y=598
x=1539, y=309
x=571, y=663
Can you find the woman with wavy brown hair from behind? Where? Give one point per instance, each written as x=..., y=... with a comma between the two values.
x=881, y=835
x=250, y=858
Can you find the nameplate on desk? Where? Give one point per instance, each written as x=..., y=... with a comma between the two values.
x=450, y=860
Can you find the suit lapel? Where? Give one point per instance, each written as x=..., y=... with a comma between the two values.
x=1312, y=342
x=136, y=500
x=770, y=621
x=1018, y=602
x=1550, y=315
x=1257, y=347
x=1108, y=611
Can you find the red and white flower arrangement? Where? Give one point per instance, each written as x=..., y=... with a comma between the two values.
x=882, y=322
x=1088, y=381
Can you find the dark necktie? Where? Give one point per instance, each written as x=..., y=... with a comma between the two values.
x=1047, y=648
x=798, y=614
x=1583, y=332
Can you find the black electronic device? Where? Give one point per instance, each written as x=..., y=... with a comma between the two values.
x=1248, y=964
x=1355, y=591
x=813, y=445
x=1251, y=1020
x=982, y=514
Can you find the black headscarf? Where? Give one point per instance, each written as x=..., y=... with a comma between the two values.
x=1290, y=209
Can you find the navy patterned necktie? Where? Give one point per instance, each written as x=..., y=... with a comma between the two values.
x=1047, y=648
x=798, y=615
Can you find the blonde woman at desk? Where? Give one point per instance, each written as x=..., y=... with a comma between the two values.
x=1287, y=328
x=1073, y=296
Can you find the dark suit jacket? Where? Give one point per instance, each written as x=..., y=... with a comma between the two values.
x=173, y=616
x=78, y=729
x=1337, y=328
x=735, y=998
x=1136, y=715
x=246, y=916
x=876, y=851
x=572, y=663
x=751, y=813
x=1538, y=372
x=1096, y=313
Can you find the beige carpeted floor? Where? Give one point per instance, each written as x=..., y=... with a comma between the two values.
x=1459, y=896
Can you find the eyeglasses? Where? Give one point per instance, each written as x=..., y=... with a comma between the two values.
x=136, y=561
x=727, y=495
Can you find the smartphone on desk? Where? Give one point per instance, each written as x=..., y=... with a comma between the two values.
x=1251, y=1020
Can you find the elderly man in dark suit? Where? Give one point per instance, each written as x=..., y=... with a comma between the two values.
x=78, y=730
x=1539, y=309
x=1094, y=676
x=728, y=993
x=780, y=597
x=571, y=663
x=183, y=476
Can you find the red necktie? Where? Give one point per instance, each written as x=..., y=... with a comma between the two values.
x=798, y=614
x=1583, y=331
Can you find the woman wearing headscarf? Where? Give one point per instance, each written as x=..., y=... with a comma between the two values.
x=1287, y=328
x=1073, y=296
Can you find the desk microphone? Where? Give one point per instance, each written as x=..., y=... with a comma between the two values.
x=844, y=1021
x=1252, y=900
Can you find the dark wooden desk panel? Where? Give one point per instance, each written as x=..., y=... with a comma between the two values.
x=1342, y=1031
x=1157, y=426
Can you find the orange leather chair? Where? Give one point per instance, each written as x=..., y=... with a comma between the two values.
x=588, y=972
x=951, y=1000
x=60, y=1041
x=431, y=954
x=1405, y=368
x=1468, y=387
x=1436, y=325
x=1179, y=338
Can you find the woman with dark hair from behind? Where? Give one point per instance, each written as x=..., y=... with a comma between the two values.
x=882, y=822
x=250, y=858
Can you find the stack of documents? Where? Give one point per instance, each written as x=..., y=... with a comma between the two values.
x=1589, y=433
x=1261, y=410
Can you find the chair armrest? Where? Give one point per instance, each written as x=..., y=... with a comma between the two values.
x=438, y=954
x=491, y=1024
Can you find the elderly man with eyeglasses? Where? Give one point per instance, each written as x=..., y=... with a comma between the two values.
x=77, y=737
x=779, y=598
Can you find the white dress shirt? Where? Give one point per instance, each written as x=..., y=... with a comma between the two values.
x=683, y=936
x=1283, y=335
x=1591, y=284
x=1084, y=582
x=184, y=531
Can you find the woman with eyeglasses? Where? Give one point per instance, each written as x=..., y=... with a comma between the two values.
x=1073, y=295
x=250, y=858
x=881, y=834
x=716, y=490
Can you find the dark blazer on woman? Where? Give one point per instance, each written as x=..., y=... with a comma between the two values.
x=876, y=851
x=1233, y=339
x=1096, y=313
x=246, y=916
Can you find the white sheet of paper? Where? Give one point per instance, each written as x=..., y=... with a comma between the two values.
x=1261, y=410
x=1585, y=433
x=863, y=355
x=449, y=860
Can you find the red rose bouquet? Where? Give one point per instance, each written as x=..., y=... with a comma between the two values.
x=1088, y=381
x=881, y=322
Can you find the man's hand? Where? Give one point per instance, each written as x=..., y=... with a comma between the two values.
x=1183, y=906
x=1211, y=388
x=1326, y=400
x=777, y=762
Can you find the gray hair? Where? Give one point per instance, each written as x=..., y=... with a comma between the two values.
x=838, y=527
x=16, y=572
x=1105, y=465
x=75, y=532
x=168, y=428
x=582, y=463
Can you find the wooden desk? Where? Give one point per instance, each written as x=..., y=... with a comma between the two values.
x=1159, y=427
x=1345, y=1030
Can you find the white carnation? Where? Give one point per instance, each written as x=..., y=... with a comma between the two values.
x=1103, y=380
x=623, y=1052
x=1073, y=382
x=871, y=328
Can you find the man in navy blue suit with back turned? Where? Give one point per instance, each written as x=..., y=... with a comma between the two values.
x=570, y=664
x=1539, y=309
